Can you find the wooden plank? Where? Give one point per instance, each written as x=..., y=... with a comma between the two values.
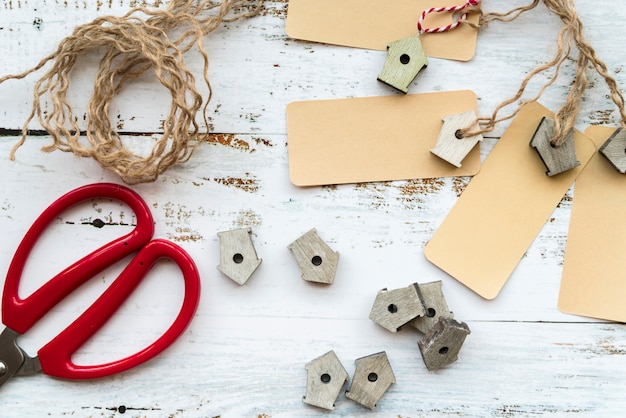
x=243, y=354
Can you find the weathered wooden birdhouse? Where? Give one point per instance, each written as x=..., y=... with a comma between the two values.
x=441, y=345
x=451, y=146
x=435, y=305
x=405, y=58
x=325, y=378
x=394, y=308
x=315, y=258
x=556, y=159
x=614, y=149
x=372, y=377
x=238, y=258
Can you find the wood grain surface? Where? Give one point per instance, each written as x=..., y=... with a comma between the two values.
x=245, y=352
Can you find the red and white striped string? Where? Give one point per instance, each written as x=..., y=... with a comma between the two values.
x=452, y=9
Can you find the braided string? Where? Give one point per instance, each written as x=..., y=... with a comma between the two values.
x=470, y=5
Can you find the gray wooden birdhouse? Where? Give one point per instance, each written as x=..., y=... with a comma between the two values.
x=372, y=378
x=435, y=304
x=238, y=258
x=614, y=149
x=451, y=146
x=556, y=159
x=441, y=345
x=315, y=258
x=405, y=58
x=394, y=308
x=325, y=378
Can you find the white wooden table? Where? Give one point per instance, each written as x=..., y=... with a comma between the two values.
x=244, y=353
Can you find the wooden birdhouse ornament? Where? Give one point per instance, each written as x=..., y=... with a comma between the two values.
x=451, y=146
x=372, y=377
x=556, y=159
x=441, y=346
x=435, y=306
x=614, y=149
x=405, y=58
x=238, y=258
x=315, y=258
x=325, y=378
x=394, y=308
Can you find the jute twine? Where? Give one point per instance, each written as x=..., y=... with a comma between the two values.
x=132, y=44
x=571, y=35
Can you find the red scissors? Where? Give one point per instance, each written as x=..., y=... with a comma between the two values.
x=19, y=315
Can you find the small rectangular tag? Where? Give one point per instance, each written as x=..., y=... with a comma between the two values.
x=593, y=282
x=504, y=207
x=373, y=138
x=373, y=24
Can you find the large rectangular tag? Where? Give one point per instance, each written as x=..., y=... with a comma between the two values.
x=372, y=24
x=593, y=282
x=373, y=138
x=504, y=207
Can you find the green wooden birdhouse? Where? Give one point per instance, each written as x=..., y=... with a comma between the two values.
x=405, y=58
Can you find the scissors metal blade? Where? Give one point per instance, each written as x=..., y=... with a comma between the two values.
x=13, y=360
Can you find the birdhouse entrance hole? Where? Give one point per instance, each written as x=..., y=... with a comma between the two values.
x=405, y=59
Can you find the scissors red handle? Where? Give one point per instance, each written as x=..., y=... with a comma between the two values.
x=21, y=314
x=55, y=357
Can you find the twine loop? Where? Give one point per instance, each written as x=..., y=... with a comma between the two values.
x=132, y=44
x=469, y=6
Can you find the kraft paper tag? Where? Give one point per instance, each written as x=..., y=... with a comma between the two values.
x=373, y=138
x=504, y=207
x=372, y=24
x=593, y=282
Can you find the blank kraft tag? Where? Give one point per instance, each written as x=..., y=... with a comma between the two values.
x=593, y=281
x=372, y=24
x=504, y=207
x=373, y=138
